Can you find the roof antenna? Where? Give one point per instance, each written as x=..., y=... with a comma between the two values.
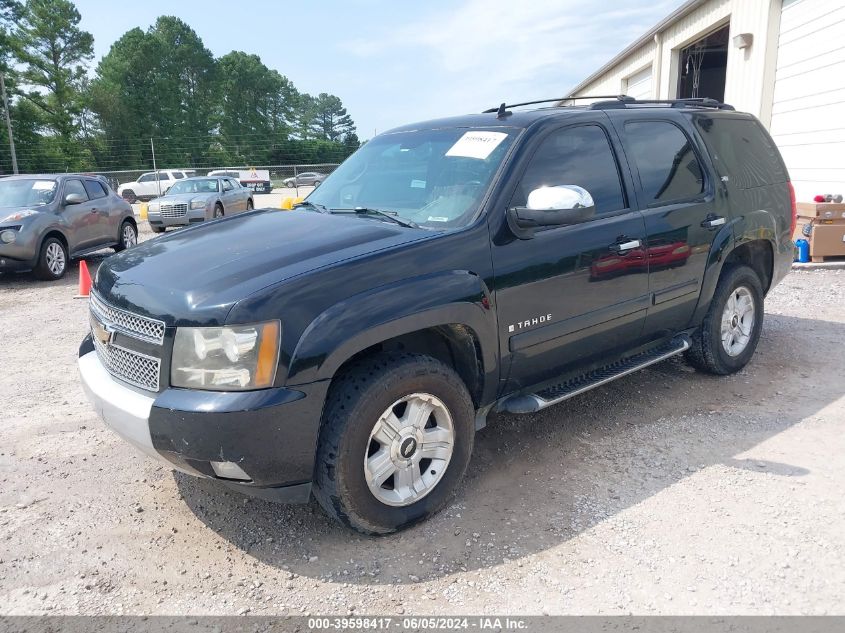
x=502, y=112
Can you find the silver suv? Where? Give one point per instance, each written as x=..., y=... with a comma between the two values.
x=45, y=220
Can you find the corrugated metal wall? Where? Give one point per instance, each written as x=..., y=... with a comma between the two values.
x=808, y=114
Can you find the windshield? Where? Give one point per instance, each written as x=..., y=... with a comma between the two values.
x=200, y=185
x=435, y=178
x=26, y=192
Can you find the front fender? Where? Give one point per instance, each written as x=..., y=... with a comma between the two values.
x=363, y=320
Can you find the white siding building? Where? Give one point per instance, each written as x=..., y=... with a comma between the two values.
x=781, y=60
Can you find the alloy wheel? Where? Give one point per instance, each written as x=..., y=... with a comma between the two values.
x=409, y=449
x=737, y=321
x=56, y=261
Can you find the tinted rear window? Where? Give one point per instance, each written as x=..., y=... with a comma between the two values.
x=742, y=151
x=95, y=189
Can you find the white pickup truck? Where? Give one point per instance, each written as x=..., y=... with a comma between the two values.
x=150, y=185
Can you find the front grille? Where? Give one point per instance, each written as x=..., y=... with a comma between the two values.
x=130, y=365
x=174, y=210
x=135, y=368
x=128, y=323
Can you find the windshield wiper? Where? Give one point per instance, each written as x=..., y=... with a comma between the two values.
x=319, y=208
x=390, y=215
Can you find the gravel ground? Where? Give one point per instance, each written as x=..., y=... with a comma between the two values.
x=666, y=492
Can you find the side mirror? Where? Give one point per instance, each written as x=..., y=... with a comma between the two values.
x=74, y=198
x=551, y=206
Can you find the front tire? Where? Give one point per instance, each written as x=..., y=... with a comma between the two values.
x=218, y=211
x=249, y=205
x=129, y=196
x=728, y=336
x=52, y=260
x=396, y=440
x=128, y=236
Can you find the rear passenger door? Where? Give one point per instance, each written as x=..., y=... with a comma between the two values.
x=108, y=215
x=572, y=295
x=675, y=194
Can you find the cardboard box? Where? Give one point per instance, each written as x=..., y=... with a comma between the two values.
x=824, y=210
x=827, y=240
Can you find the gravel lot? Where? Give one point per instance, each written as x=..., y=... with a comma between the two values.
x=666, y=492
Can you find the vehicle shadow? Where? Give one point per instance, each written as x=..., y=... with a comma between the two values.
x=537, y=481
x=16, y=280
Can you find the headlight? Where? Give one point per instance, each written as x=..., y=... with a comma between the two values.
x=234, y=358
x=198, y=204
x=20, y=215
x=153, y=207
x=8, y=236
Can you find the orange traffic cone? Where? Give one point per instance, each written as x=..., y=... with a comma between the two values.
x=84, y=281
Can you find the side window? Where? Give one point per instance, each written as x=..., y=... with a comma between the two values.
x=147, y=178
x=669, y=170
x=178, y=175
x=742, y=151
x=75, y=186
x=95, y=189
x=227, y=184
x=576, y=156
x=163, y=176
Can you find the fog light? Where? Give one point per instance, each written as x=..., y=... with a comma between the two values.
x=8, y=236
x=229, y=470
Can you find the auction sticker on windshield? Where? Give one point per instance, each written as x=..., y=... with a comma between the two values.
x=478, y=144
x=45, y=185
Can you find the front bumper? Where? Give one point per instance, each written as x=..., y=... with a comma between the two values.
x=270, y=434
x=192, y=216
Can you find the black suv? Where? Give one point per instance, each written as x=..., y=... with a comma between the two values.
x=501, y=261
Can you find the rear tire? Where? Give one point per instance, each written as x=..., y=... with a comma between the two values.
x=128, y=236
x=728, y=336
x=52, y=260
x=429, y=403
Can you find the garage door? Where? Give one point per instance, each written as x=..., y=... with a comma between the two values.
x=808, y=112
x=638, y=85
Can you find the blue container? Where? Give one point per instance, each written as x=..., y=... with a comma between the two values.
x=803, y=251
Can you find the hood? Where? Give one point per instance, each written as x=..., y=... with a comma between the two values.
x=183, y=197
x=194, y=276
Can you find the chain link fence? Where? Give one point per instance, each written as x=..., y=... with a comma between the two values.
x=281, y=176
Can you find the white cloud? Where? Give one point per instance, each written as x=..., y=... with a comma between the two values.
x=485, y=51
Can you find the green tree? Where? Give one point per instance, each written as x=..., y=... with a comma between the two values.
x=159, y=83
x=328, y=118
x=53, y=52
x=256, y=107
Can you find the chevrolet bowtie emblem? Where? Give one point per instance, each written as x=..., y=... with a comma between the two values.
x=101, y=332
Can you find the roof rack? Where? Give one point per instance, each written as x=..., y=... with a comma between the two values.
x=697, y=102
x=502, y=109
x=617, y=101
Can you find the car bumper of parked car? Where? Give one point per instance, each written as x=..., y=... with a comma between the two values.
x=261, y=443
x=191, y=217
x=18, y=256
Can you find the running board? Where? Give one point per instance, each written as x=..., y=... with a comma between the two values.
x=531, y=403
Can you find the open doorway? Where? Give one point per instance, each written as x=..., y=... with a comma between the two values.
x=703, y=67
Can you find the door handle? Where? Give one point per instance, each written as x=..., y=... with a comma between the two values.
x=713, y=221
x=620, y=247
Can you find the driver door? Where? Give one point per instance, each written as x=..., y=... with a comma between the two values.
x=571, y=295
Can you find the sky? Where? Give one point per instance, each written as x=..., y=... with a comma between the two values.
x=393, y=63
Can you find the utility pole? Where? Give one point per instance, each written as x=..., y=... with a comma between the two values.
x=158, y=182
x=8, y=123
